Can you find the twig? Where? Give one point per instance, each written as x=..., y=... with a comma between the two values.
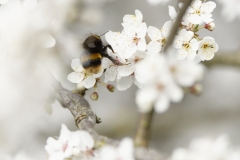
x=229, y=59
x=175, y=27
x=143, y=131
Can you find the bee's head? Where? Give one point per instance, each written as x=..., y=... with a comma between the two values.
x=93, y=43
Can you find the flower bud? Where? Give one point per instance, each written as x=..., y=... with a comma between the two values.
x=94, y=96
x=210, y=26
x=110, y=87
x=196, y=89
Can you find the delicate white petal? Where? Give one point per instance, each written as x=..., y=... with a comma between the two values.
x=191, y=54
x=195, y=19
x=142, y=30
x=110, y=74
x=145, y=99
x=126, y=70
x=124, y=83
x=3, y=1
x=172, y=12
x=142, y=44
x=175, y=93
x=76, y=65
x=126, y=149
x=182, y=54
x=209, y=6
x=75, y=77
x=139, y=16
x=89, y=82
x=153, y=32
x=154, y=47
x=130, y=51
x=29, y=5
x=47, y=40
x=162, y=104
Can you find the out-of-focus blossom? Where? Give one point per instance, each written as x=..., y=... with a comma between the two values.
x=19, y=156
x=69, y=144
x=230, y=9
x=156, y=2
x=208, y=149
x=125, y=151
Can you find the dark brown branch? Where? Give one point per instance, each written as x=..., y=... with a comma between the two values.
x=176, y=25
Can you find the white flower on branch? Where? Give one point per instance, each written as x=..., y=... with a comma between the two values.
x=187, y=45
x=207, y=48
x=200, y=12
x=69, y=144
x=158, y=37
x=131, y=39
x=81, y=76
x=125, y=151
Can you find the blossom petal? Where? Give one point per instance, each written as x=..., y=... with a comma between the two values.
x=162, y=104
x=172, y=12
x=124, y=83
x=154, y=47
x=142, y=44
x=75, y=77
x=89, y=82
x=76, y=65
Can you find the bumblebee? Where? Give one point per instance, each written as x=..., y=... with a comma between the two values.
x=94, y=52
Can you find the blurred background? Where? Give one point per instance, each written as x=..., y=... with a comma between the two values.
x=38, y=42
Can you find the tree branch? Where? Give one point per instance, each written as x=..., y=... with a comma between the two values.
x=176, y=25
x=86, y=119
x=229, y=59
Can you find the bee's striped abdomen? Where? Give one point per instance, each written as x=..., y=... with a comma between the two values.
x=92, y=62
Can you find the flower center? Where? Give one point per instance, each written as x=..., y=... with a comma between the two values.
x=186, y=46
x=136, y=40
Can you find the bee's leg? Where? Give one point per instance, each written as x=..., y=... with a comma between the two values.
x=111, y=58
x=107, y=46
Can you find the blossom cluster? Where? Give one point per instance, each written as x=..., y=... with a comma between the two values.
x=208, y=149
x=160, y=76
x=80, y=145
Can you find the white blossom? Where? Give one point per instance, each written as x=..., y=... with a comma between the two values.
x=131, y=39
x=207, y=48
x=208, y=149
x=81, y=76
x=125, y=151
x=187, y=45
x=200, y=12
x=69, y=144
x=159, y=87
x=156, y=2
x=184, y=72
x=158, y=37
x=230, y=9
